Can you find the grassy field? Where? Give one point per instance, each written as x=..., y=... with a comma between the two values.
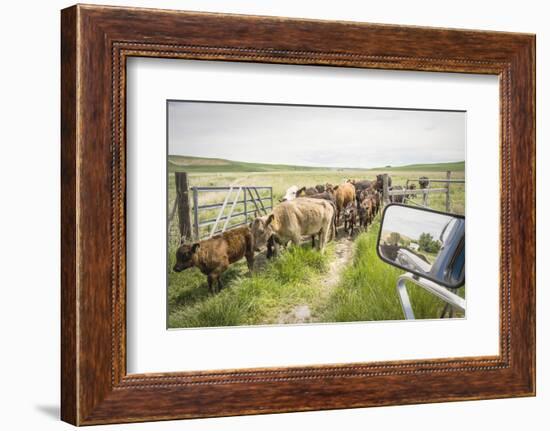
x=363, y=290
x=207, y=165
x=367, y=289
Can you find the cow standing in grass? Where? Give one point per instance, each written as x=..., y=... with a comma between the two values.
x=343, y=194
x=350, y=217
x=377, y=201
x=412, y=187
x=293, y=193
x=290, y=220
x=362, y=187
x=290, y=194
x=367, y=209
x=306, y=191
x=424, y=182
x=213, y=256
x=379, y=184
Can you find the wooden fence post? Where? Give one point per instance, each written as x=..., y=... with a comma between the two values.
x=448, y=193
x=385, y=189
x=182, y=196
x=425, y=195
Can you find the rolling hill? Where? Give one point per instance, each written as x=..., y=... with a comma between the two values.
x=203, y=164
x=425, y=167
x=212, y=165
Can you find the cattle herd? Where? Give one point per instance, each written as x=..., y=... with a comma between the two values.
x=315, y=212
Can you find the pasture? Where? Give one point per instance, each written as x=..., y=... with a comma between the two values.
x=346, y=283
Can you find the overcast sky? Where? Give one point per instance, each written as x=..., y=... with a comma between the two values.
x=315, y=136
x=402, y=220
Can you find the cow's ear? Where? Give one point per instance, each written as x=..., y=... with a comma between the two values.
x=195, y=247
x=335, y=187
x=270, y=218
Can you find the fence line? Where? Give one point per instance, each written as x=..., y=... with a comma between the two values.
x=407, y=192
x=235, y=209
x=388, y=193
x=235, y=195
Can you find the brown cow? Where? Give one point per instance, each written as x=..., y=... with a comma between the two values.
x=362, y=184
x=379, y=184
x=271, y=245
x=329, y=197
x=290, y=220
x=306, y=191
x=377, y=202
x=412, y=187
x=325, y=195
x=350, y=217
x=213, y=256
x=362, y=188
x=344, y=194
x=424, y=182
x=367, y=210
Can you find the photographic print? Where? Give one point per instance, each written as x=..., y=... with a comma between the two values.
x=298, y=214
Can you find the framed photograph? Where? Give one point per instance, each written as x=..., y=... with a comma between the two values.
x=264, y=215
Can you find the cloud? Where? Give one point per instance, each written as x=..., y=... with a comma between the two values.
x=315, y=136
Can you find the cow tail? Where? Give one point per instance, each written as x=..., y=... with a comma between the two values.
x=333, y=220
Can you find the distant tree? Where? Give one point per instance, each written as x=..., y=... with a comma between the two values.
x=427, y=243
x=424, y=241
x=404, y=242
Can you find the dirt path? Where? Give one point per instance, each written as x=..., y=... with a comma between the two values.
x=342, y=256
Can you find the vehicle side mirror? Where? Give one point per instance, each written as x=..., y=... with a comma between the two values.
x=427, y=243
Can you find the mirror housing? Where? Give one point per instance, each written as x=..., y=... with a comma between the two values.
x=427, y=243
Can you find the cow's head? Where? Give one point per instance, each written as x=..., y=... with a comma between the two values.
x=379, y=182
x=186, y=256
x=290, y=194
x=262, y=230
x=301, y=192
x=424, y=182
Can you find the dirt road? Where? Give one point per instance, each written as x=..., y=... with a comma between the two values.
x=302, y=313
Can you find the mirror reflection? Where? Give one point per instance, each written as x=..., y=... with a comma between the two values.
x=424, y=242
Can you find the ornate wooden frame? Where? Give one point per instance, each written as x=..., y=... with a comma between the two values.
x=95, y=42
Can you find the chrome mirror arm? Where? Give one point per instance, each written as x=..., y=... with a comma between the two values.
x=455, y=301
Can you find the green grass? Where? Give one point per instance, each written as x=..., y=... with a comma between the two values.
x=209, y=165
x=213, y=165
x=426, y=167
x=245, y=299
x=281, y=181
x=367, y=289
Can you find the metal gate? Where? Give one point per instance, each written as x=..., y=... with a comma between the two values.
x=239, y=206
